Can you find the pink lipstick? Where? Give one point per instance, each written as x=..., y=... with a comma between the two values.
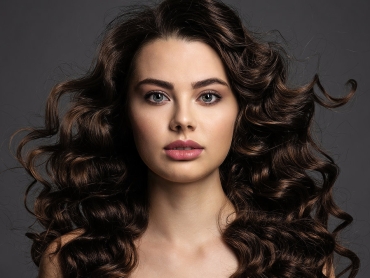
x=183, y=150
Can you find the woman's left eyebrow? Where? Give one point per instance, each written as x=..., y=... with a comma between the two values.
x=209, y=81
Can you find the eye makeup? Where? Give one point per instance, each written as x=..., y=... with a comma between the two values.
x=215, y=97
x=159, y=97
x=156, y=97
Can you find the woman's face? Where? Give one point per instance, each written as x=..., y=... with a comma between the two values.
x=180, y=92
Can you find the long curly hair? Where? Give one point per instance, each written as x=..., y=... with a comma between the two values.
x=90, y=176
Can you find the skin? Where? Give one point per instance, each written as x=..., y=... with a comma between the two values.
x=186, y=197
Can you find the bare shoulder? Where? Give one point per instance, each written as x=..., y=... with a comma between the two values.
x=49, y=265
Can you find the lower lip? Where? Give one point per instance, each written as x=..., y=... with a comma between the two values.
x=183, y=154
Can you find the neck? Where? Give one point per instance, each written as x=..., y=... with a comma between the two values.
x=187, y=213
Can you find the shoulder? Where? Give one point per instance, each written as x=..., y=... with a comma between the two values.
x=49, y=265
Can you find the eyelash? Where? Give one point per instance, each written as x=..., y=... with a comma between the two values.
x=212, y=93
x=147, y=96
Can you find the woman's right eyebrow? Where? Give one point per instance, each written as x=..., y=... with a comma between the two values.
x=152, y=81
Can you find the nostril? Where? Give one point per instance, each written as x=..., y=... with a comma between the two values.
x=182, y=124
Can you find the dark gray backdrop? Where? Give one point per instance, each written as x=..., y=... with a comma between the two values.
x=43, y=42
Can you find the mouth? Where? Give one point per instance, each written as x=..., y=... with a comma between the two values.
x=183, y=150
x=187, y=148
x=183, y=145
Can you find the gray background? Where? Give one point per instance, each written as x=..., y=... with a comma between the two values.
x=43, y=42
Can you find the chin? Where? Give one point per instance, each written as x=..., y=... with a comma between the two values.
x=183, y=179
x=188, y=176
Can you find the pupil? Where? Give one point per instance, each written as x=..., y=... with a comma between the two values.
x=158, y=97
x=207, y=97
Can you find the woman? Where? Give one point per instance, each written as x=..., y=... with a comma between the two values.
x=184, y=153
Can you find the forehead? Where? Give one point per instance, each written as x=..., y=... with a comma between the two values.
x=179, y=60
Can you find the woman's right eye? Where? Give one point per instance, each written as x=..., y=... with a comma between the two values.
x=156, y=97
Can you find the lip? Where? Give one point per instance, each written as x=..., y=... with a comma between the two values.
x=183, y=144
x=195, y=151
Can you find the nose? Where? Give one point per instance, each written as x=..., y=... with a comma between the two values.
x=183, y=118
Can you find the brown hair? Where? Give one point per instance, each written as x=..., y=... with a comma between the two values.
x=279, y=180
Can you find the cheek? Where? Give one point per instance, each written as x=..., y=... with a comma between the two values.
x=225, y=135
x=141, y=130
x=220, y=134
x=146, y=131
x=139, y=123
x=223, y=127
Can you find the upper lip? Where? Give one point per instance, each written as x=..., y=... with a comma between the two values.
x=183, y=144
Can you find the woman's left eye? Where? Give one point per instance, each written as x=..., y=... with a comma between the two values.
x=210, y=98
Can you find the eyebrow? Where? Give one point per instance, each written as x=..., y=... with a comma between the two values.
x=170, y=86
